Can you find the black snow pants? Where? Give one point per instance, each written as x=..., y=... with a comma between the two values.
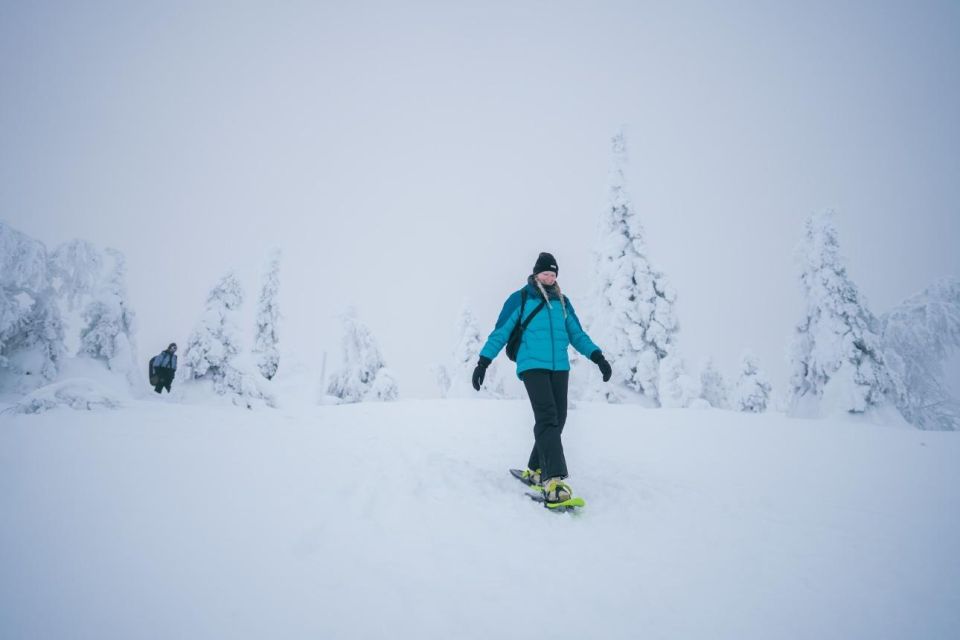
x=548, y=397
x=164, y=378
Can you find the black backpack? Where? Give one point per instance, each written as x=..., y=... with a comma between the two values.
x=154, y=379
x=513, y=342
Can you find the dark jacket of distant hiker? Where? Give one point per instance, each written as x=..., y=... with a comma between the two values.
x=165, y=369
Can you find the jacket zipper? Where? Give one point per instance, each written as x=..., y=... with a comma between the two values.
x=553, y=347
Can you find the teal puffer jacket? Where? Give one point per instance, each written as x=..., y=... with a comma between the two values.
x=547, y=337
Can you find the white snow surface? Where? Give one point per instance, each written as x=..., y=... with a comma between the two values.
x=82, y=394
x=399, y=520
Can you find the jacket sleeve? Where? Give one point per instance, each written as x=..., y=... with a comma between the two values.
x=509, y=316
x=578, y=337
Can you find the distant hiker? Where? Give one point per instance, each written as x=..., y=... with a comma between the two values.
x=163, y=368
x=537, y=324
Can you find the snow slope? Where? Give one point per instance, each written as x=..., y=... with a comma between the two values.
x=399, y=520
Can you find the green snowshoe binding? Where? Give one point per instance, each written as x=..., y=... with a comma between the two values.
x=557, y=495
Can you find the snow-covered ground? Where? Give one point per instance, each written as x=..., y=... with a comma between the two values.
x=399, y=520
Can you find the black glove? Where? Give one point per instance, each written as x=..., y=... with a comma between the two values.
x=480, y=371
x=601, y=362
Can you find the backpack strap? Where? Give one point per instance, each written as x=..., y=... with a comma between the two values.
x=535, y=312
x=523, y=299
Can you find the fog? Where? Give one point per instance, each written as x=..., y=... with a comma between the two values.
x=408, y=156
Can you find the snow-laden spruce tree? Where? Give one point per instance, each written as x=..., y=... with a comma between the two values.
x=458, y=375
x=713, y=389
x=76, y=271
x=265, y=347
x=676, y=387
x=364, y=375
x=109, y=327
x=40, y=340
x=214, y=346
x=23, y=261
x=384, y=387
x=216, y=341
x=633, y=316
x=442, y=375
x=918, y=335
x=836, y=356
x=752, y=390
x=31, y=329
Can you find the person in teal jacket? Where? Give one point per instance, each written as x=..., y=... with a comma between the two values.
x=544, y=367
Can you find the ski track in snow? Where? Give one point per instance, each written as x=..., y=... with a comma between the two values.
x=400, y=520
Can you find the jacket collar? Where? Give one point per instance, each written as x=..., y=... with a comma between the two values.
x=534, y=290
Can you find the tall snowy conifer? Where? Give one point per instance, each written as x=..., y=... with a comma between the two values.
x=43, y=336
x=265, y=349
x=215, y=341
x=676, y=387
x=31, y=328
x=442, y=375
x=458, y=377
x=75, y=269
x=836, y=356
x=633, y=316
x=214, y=346
x=364, y=375
x=752, y=390
x=918, y=335
x=109, y=325
x=713, y=388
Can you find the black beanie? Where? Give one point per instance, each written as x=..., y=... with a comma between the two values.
x=545, y=262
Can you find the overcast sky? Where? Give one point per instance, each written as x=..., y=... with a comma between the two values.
x=406, y=155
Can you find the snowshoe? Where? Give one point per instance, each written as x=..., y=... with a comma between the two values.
x=527, y=476
x=571, y=504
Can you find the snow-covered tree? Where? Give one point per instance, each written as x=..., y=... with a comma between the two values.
x=676, y=387
x=75, y=270
x=41, y=339
x=713, y=388
x=836, y=358
x=752, y=390
x=23, y=261
x=917, y=337
x=265, y=349
x=384, y=387
x=31, y=328
x=215, y=340
x=458, y=375
x=442, y=376
x=109, y=322
x=364, y=375
x=633, y=318
x=213, y=347
x=469, y=341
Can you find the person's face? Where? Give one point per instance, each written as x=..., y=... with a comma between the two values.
x=173, y=349
x=547, y=277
